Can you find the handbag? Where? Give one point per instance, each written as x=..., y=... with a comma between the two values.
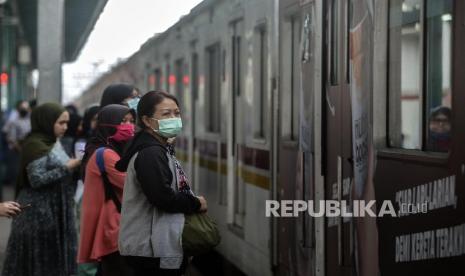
x=200, y=234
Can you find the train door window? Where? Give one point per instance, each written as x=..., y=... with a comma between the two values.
x=260, y=76
x=158, y=79
x=438, y=74
x=168, y=76
x=151, y=82
x=195, y=76
x=290, y=78
x=213, y=88
x=334, y=42
x=179, y=74
x=148, y=77
x=237, y=64
x=420, y=74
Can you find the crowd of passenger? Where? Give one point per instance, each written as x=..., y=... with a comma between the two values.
x=98, y=194
x=103, y=193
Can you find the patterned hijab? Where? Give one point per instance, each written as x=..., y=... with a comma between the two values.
x=41, y=139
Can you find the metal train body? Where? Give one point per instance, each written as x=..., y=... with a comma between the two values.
x=265, y=88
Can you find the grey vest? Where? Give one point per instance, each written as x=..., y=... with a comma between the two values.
x=145, y=230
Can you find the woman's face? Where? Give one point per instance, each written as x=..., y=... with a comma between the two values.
x=440, y=124
x=128, y=119
x=166, y=109
x=93, y=122
x=133, y=95
x=61, y=124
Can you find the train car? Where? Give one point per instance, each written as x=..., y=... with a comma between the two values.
x=313, y=100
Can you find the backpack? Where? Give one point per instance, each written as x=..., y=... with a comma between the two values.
x=109, y=191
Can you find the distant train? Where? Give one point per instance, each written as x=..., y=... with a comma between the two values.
x=311, y=100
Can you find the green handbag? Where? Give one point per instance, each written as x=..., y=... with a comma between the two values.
x=200, y=234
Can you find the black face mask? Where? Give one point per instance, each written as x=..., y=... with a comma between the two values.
x=23, y=113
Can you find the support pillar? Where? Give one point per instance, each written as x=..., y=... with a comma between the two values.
x=50, y=42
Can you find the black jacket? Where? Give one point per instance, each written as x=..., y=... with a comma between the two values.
x=154, y=175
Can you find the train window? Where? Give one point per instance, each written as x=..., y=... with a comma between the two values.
x=438, y=74
x=158, y=78
x=334, y=35
x=420, y=37
x=213, y=88
x=179, y=82
x=167, y=77
x=349, y=12
x=148, y=77
x=405, y=52
x=150, y=80
x=195, y=76
x=291, y=59
x=236, y=65
x=260, y=61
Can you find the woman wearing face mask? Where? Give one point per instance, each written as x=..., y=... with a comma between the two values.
x=156, y=195
x=89, y=124
x=120, y=93
x=102, y=194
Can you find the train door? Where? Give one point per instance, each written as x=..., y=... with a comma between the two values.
x=238, y=194
x=337, y=135
x=421, y=166
x=194, y=82
x=295, y=178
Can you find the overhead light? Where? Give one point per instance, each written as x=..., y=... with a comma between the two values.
x=2, y=2
x=446, y=17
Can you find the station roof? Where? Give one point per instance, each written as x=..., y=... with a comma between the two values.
x=79, y=20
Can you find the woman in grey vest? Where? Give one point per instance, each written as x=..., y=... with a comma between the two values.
x=155, y=198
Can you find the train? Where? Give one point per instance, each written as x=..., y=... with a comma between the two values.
x=318, y=100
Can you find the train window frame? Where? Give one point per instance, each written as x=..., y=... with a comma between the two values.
x=158, y=73
x=168, y=73
x=334, y=34
x=179, y=86
x=290, y=134
x=213, y=126
x=148, y=76
x=422, y=154
x=195, y=75
x=260, y=68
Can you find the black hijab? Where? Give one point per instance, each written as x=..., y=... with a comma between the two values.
x=109, y=115
x=116, y=94
x=86, y=121
x=73, y=125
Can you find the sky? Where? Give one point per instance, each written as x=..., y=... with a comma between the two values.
x=121, y=29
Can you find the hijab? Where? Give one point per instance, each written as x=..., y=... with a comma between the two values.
x=73, y=125
x=41, y=139
x=109, y=115
x=116, y=94
x=87, y=120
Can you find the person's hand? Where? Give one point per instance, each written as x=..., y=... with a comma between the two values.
x=9, y=209
x=73, y=163
x=203, y=204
